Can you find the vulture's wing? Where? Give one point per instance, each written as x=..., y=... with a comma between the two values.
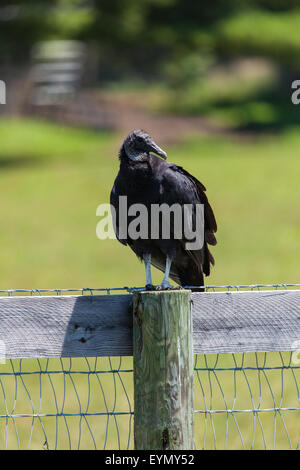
x=114, y=201
x=180, y=186
x=209, y=217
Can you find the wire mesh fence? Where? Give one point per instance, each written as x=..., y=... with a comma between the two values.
x=78, y=403
x=242, y=400
x=247, y=401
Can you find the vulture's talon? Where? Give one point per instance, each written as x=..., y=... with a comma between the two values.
x=162, y=287
x=150, y=287
x=159, y=288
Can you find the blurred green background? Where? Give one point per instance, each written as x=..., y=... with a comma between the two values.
x=210, y=81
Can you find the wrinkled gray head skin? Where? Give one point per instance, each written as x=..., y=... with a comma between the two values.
x=138, y=145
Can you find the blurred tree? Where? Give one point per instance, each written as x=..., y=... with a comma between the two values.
x=174, y=40
x=140, y=36
x=24, y=22
x=21, y=24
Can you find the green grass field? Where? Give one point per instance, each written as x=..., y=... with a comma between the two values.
x=52, y=180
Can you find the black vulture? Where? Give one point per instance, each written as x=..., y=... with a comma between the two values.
x=146, y=179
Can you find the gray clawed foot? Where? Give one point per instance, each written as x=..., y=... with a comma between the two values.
x=150, y=287
x=161, y=287
x=167, y=287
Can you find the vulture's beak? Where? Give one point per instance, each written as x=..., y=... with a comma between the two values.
x=157, y=150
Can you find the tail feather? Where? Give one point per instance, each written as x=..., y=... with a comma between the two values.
x=192, y=278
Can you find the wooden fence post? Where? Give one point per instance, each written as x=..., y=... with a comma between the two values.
x=163, y=370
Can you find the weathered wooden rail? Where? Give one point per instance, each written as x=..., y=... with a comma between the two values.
x=162, y=330
x=101, y=325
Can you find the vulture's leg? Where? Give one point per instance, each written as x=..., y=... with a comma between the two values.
x=147, y=261
x=165, y=282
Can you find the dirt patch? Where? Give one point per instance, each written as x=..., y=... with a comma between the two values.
x=94, y=110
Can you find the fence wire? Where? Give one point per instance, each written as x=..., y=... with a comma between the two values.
x=242, y=400
x=247, y=401
x=78, y=403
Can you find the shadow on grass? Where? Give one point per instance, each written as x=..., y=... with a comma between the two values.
x=270, y=111
x=13, y=162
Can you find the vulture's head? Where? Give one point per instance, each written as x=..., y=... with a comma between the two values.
x=138, y=145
